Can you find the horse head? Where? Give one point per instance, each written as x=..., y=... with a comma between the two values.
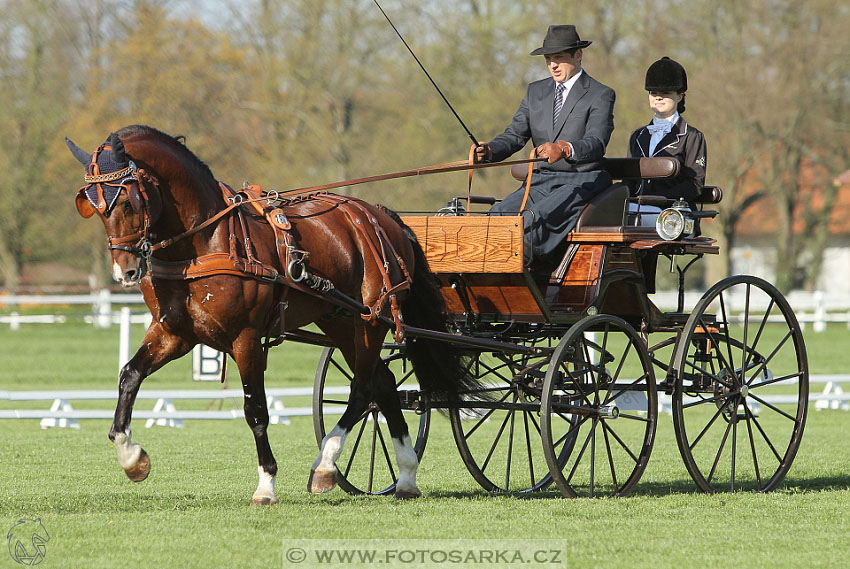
x=128, y=201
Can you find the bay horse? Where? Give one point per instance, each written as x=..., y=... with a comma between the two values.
x=213, y=271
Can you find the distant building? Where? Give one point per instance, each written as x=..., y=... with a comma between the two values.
x=755, y=247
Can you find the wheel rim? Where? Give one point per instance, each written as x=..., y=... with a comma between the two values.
x=599, y=409
x=500, y=446
x=741, y=392
x=367, y=464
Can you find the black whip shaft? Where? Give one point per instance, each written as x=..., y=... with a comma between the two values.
x=457, y=116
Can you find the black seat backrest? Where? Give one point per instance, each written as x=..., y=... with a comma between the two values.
x=605, y=208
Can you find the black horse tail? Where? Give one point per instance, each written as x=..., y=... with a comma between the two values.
x=442, y=368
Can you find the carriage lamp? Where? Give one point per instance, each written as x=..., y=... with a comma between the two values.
x=675, y=222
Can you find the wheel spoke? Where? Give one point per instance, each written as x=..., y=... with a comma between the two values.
x=581, y=452
x=771, y=406
x=776, y=379
x=706, y=428
x=749, y=415
x=766, y=439
x=707, y=400
x=572, y=431
x=610, y=398
x=761, y=329
x=342, y=370
x=386, y=453
x=772, y=354
x=744, y=357
x=354, y=448
x=372, y=454
x=528, y=448
x=730, y=362
x=610, y=458
x=496, y=441
x=510, y=449
x=484, y=417
x=606, y=427
x=719, y=452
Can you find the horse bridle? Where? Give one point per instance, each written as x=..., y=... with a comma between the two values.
x=137, y=243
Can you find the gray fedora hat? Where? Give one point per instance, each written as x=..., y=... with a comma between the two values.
x=560, y=38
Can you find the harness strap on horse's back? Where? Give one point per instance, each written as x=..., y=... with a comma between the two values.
x=293, y=273
x=355, y=210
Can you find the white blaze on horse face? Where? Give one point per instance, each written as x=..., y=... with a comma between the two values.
x=127, y=276
x=331, y=449
x=117, y=273
x=407, y=462
x=128, y=451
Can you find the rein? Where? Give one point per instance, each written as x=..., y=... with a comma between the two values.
x=436, y=169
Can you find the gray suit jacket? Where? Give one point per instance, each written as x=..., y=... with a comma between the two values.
x=586, y=121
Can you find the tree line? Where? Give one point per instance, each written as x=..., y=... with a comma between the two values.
x=293, y=93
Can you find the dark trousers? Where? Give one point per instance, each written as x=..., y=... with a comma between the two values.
x=555, y=201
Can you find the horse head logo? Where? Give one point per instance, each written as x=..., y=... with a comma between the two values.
x=28, y=542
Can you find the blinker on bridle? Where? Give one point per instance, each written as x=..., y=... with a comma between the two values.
x=137, y=243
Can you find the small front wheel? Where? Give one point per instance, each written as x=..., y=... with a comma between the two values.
x=599, y=409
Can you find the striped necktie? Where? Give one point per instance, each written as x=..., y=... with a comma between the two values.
x=559, y=101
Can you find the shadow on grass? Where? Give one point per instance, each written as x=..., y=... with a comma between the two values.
x=790, y=485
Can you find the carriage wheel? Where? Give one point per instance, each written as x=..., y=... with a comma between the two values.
x=367, y=464
x=742, y=387
x=599, y=409
x=499, y=444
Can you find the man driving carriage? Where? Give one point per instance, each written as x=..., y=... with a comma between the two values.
x=569, y=118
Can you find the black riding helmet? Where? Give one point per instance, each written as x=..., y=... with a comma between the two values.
x=667, y=75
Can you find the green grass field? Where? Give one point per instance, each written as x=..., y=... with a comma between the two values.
x=193, y=509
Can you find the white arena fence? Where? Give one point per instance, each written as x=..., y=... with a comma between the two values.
x=810, y=307
x=166, y=413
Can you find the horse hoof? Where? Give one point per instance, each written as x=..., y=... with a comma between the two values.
x=141, y=469
x=407, y=494
x=264, y=501
x=321, y=482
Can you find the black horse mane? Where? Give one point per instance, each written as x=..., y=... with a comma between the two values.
x=176, y=142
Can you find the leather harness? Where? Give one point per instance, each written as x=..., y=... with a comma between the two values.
x=241, y=260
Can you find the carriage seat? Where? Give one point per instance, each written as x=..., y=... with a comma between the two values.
x=607, y=210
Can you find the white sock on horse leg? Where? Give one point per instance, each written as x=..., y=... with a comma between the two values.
x=407, y=462
x=331, y=448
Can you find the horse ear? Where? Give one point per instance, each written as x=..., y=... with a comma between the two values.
x=80, y=154
x=84, y=206
x=119, y=154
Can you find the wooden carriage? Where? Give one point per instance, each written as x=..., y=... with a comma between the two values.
x=569, y=357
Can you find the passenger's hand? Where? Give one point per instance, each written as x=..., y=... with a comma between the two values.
x=551, y=151
x=482, y=153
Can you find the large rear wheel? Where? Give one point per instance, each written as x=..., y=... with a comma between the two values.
x=741, y=387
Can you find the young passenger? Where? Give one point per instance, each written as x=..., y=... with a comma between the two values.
x=669, y=135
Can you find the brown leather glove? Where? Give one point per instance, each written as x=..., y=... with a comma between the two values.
x=482, y=153
x=551, y=151
x=565, y=147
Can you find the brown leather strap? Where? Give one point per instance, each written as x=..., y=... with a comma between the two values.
x=532, y=158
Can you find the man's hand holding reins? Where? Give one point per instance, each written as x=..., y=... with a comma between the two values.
x=554, y=151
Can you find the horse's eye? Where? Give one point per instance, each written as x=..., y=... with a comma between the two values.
x=127, y=207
